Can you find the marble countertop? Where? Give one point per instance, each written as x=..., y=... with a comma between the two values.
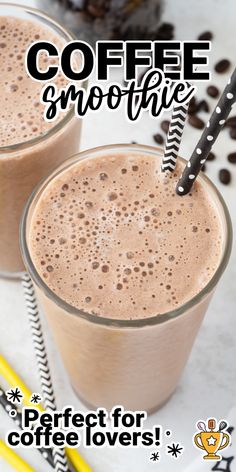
x=208, y=385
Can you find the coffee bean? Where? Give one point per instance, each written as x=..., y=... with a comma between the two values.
x=175, y=67
x=165, y=125
x=232, y=157
x=192, y=109
x=211, y=156
x=165, y=31
x=224, y=176
x=158, y=138
x=203, y=169
x=96, y=9
x=203, y=106
x=196, y=122
x=233, y=133
x=167, y=26
x=141, y=76
x=231, y=122
x=213, y=91
x=222, y=66
x=206, y=36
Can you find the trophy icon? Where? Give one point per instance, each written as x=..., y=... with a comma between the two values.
x=212, y=441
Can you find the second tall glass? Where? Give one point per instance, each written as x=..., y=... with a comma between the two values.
x=26, y=162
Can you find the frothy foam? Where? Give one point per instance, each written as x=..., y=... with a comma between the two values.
x=111, y=237
x=21, y=114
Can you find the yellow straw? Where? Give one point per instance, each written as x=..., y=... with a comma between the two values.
x=14, y=380
x=13, y=459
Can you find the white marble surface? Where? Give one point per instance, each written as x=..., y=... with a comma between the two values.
x=208, y=385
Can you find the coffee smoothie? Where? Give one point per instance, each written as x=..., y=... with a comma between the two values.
x=30, y=148
x=111, y=237
x=121, y=263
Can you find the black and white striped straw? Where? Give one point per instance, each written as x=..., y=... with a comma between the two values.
x=174, y=136
x=17, y=418
x=208, y=138
x=59, y=457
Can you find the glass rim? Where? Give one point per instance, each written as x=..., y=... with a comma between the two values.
x=70, y=114
x=142, y=322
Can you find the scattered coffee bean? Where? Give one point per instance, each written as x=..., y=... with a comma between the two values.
x=176, y=66
x=211, y=156
x=192, y=109
x=222, y=66
x=141, y=76
x=97, y=11
x=158, y=138
x=203, y=106
x=233, y=133
x=232, y=157
x=213, y=91
x=203, y=169
x=224, y=176
x=206, y=36
x=165, y=31
x=196, y=122
x=165, y=125
x=231, y=122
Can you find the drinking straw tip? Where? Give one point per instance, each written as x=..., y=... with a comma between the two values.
x=181, y=191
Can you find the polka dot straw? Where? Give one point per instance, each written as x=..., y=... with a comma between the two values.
x=209, y=136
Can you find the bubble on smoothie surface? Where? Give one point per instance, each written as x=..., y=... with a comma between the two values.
x=111, y=237
x=21, y=114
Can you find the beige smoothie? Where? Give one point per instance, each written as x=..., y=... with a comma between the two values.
x=29, y=147
x=110, y=237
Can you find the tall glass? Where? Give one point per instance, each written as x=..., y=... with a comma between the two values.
x=24, y=164
x=136, y=363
